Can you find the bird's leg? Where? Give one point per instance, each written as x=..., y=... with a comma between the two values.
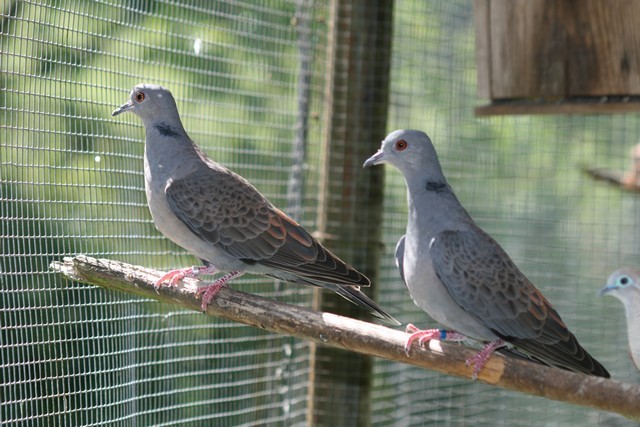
x=425, y=335
x=209, y=292
x=174, y=276
x=479, y=359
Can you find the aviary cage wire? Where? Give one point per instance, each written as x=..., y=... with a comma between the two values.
x=71, y=182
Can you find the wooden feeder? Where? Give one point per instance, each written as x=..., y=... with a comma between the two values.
x=558, y=56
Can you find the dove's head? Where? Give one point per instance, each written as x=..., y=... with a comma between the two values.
x=622, y=284
x=411, y=151
x=150, y=102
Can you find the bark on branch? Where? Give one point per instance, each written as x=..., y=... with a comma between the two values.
x=362, y=337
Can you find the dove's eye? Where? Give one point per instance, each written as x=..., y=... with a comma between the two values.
x=401, y=144
x=139, y=96
x=624, y=280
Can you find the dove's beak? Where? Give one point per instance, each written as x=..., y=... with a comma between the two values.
x=376, y=159
x=605, y=290
x=122, y=109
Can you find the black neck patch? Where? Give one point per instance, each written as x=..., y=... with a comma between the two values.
x=165, y=130
x=436, y=186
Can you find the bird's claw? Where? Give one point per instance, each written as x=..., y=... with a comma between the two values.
x=480, y=359
x=477, y=363
x=174, y=276
x=422, y=336
x=209, y=292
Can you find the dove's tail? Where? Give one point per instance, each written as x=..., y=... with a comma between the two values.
x=567, y=354
x=354, y=295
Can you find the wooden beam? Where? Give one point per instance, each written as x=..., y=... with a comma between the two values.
x=357, y=336
x=586, y=106
x=350, y=204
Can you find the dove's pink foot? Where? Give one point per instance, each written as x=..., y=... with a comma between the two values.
x=425, y=335
x=174, y=276
x=209, y=292
x=479, y=359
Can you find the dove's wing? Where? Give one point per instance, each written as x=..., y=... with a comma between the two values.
x=225, y=210
x=400, y=258
x=484, y=281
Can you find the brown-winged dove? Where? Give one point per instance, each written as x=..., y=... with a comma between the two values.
x=624, y=284
x=629, y=180
x=462, y=278
x=224, y=220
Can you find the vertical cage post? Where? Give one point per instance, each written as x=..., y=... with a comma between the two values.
x=350, y=208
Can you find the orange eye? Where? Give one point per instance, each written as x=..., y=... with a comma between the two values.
x=401, y=144
x=139, y=96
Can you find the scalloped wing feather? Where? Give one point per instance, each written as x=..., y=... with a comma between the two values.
x=485, y=282
x=224, y=209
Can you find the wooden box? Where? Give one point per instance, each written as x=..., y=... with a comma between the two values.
x=558, y=56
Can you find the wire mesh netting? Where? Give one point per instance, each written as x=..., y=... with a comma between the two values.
x=249, y=80
x=72, y=183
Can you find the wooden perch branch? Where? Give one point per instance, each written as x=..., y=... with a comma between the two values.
x=367, y=338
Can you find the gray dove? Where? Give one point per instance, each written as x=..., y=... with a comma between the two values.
x=624, y=284
x=222, y=219
x=462, y=278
